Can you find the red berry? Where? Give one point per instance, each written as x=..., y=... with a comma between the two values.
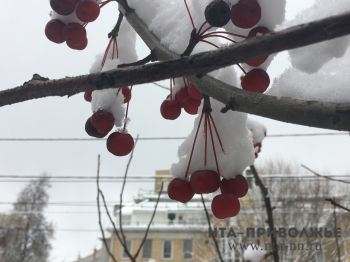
x=217, y=13
x=194, y=92
x=62, y=7
x=103, y=121
x=257, y=31
x=181, y=95
x=91, y=130
x=54, y=31
x=74, y=34
x=126, y=93
x=73, y=2
x=180, y=190
x=87, y=10
x=237, y=186
x=246, y=13
x=170, y=109
x=191, y=105
x=80, y=46
x=87, y=96
x=225, y=205
x=204, y=181
x=120, y=144
x=256, y=80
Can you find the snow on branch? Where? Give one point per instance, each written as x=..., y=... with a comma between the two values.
x=311, y=113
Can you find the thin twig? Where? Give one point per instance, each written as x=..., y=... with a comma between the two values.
x=269, y=209
x=115, y=31
x=326, y=177
x=209, y=224
x=149, y=58
x=150, y=222
x=335, y=236
x=121, y=199
x=336, y=204
x=99, y=210
x=111, y=219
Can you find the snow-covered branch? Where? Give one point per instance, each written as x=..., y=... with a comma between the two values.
x=311, y=113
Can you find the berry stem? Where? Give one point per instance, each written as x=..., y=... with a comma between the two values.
x=189, y=13
x=205, y=138
x=212, y=35
x=127, y=111
x=217, y=133
x=210, y=43
x=225, y=33
x=102, y=4
x=193, y=144
x=241, y=68
x=199, y=31
x=171, y=89
x=216, y=160
x=106, y=53
x=115, y=30
x=209, y=27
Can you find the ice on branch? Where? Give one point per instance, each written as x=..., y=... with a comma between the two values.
x=311, y=58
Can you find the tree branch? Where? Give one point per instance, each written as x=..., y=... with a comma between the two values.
x=326, y=177
x=209, y=224
x=311, y=113
x=99, y=211
x=150, y=222
x=269, y=210
x=335, y=204
x=121, y=201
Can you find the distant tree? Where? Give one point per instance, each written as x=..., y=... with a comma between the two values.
x=28, y=232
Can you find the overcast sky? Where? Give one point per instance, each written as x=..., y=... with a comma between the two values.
x=25, y=51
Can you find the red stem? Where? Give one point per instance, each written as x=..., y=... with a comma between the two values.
x=199, y=31
x=242, y=68
x=229, y=39
x=226, y=33
x=217, y=133
x=171, y=89
x=210, y=43
x=194, y=142
x=189, y=13
x=209, y=27
x=216, y=160
x=127, y=111
x=106, y=53
x=206, y=138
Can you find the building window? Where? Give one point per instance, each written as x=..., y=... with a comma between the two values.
x=187, y=249
x=128, y=246
x=147, y=249
x=167, y=249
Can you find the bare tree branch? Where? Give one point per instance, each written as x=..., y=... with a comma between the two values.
x=335, y=236
x=150, y=222
x=336, y=204
x=269, y=209
x=121, y=202
x=209, y=224
x=326, y=177
x=99, y=211
x=311, y=113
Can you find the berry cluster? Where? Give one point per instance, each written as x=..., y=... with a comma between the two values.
x=204, y=180
x=187, y=97
x=119, y=143
x=245, y=14
x=77, y=14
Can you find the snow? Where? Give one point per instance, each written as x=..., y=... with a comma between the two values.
x=311, y=58
x=254, y=255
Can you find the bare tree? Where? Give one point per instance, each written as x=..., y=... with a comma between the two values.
x=28, y=232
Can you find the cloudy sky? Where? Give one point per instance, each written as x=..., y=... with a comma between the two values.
x=25, y=51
